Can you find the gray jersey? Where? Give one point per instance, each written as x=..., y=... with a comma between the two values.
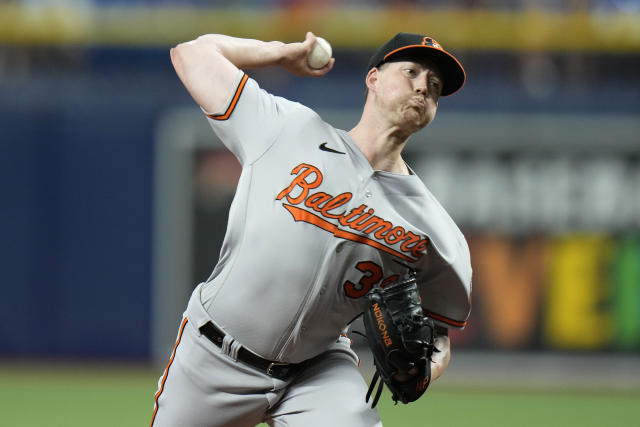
x=313, y=227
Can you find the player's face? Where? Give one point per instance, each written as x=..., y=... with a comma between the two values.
x=408, y=93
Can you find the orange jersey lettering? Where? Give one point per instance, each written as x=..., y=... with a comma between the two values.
x=321, y=208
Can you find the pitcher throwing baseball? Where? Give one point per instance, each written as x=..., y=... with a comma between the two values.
x=325, y=225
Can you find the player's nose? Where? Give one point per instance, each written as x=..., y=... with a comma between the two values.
x=420, y=85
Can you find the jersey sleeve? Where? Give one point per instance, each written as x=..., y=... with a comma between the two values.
x=252, y=119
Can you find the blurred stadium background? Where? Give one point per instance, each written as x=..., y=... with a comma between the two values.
x=114, y=196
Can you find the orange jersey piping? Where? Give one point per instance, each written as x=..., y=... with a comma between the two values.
x=444, y=319
x=234, y=101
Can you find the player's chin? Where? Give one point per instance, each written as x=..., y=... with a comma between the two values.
x=417, y=119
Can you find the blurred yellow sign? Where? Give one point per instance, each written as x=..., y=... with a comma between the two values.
x=52, y=23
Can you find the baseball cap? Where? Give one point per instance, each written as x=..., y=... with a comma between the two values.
x=420, y=46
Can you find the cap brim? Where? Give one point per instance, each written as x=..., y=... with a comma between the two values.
x=452, y=72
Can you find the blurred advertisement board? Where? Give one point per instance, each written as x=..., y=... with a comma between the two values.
x=554, y=242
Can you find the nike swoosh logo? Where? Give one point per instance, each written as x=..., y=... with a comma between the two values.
x=324, y=147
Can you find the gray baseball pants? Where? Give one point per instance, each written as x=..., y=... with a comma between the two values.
x=205, y=387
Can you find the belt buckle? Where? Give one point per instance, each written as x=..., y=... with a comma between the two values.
x=272, y=365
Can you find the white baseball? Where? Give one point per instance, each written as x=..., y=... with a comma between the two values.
x=320, y=54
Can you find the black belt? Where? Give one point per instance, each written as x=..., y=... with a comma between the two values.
x=274, y=369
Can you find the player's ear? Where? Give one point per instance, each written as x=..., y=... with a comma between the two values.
x=372, y=79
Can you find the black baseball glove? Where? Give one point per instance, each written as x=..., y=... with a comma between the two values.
x=401, y=339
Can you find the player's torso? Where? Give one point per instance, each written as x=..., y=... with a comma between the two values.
x=311, y=230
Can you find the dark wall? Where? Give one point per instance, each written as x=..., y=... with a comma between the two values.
x=76, y=166
x=76, y=233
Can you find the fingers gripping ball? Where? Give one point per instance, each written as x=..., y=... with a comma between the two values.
x=320, y=53
x=401, y=339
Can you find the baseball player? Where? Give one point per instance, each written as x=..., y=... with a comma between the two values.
x=320, y=217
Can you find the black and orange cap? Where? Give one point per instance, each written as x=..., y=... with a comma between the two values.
x=409, y=45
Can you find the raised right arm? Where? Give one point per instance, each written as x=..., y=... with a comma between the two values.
x=208, y=65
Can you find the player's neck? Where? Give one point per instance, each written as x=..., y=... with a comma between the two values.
x=382, y=147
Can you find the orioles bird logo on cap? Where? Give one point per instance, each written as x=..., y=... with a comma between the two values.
x=428, y=41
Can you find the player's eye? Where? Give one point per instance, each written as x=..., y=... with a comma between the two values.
x=410, y=71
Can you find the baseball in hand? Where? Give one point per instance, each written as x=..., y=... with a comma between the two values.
x=320, y=54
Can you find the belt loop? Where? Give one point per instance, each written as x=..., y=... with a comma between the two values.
x=227, y=341
x=234, y=348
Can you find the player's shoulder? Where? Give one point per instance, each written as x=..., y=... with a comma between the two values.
x=284, y=105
